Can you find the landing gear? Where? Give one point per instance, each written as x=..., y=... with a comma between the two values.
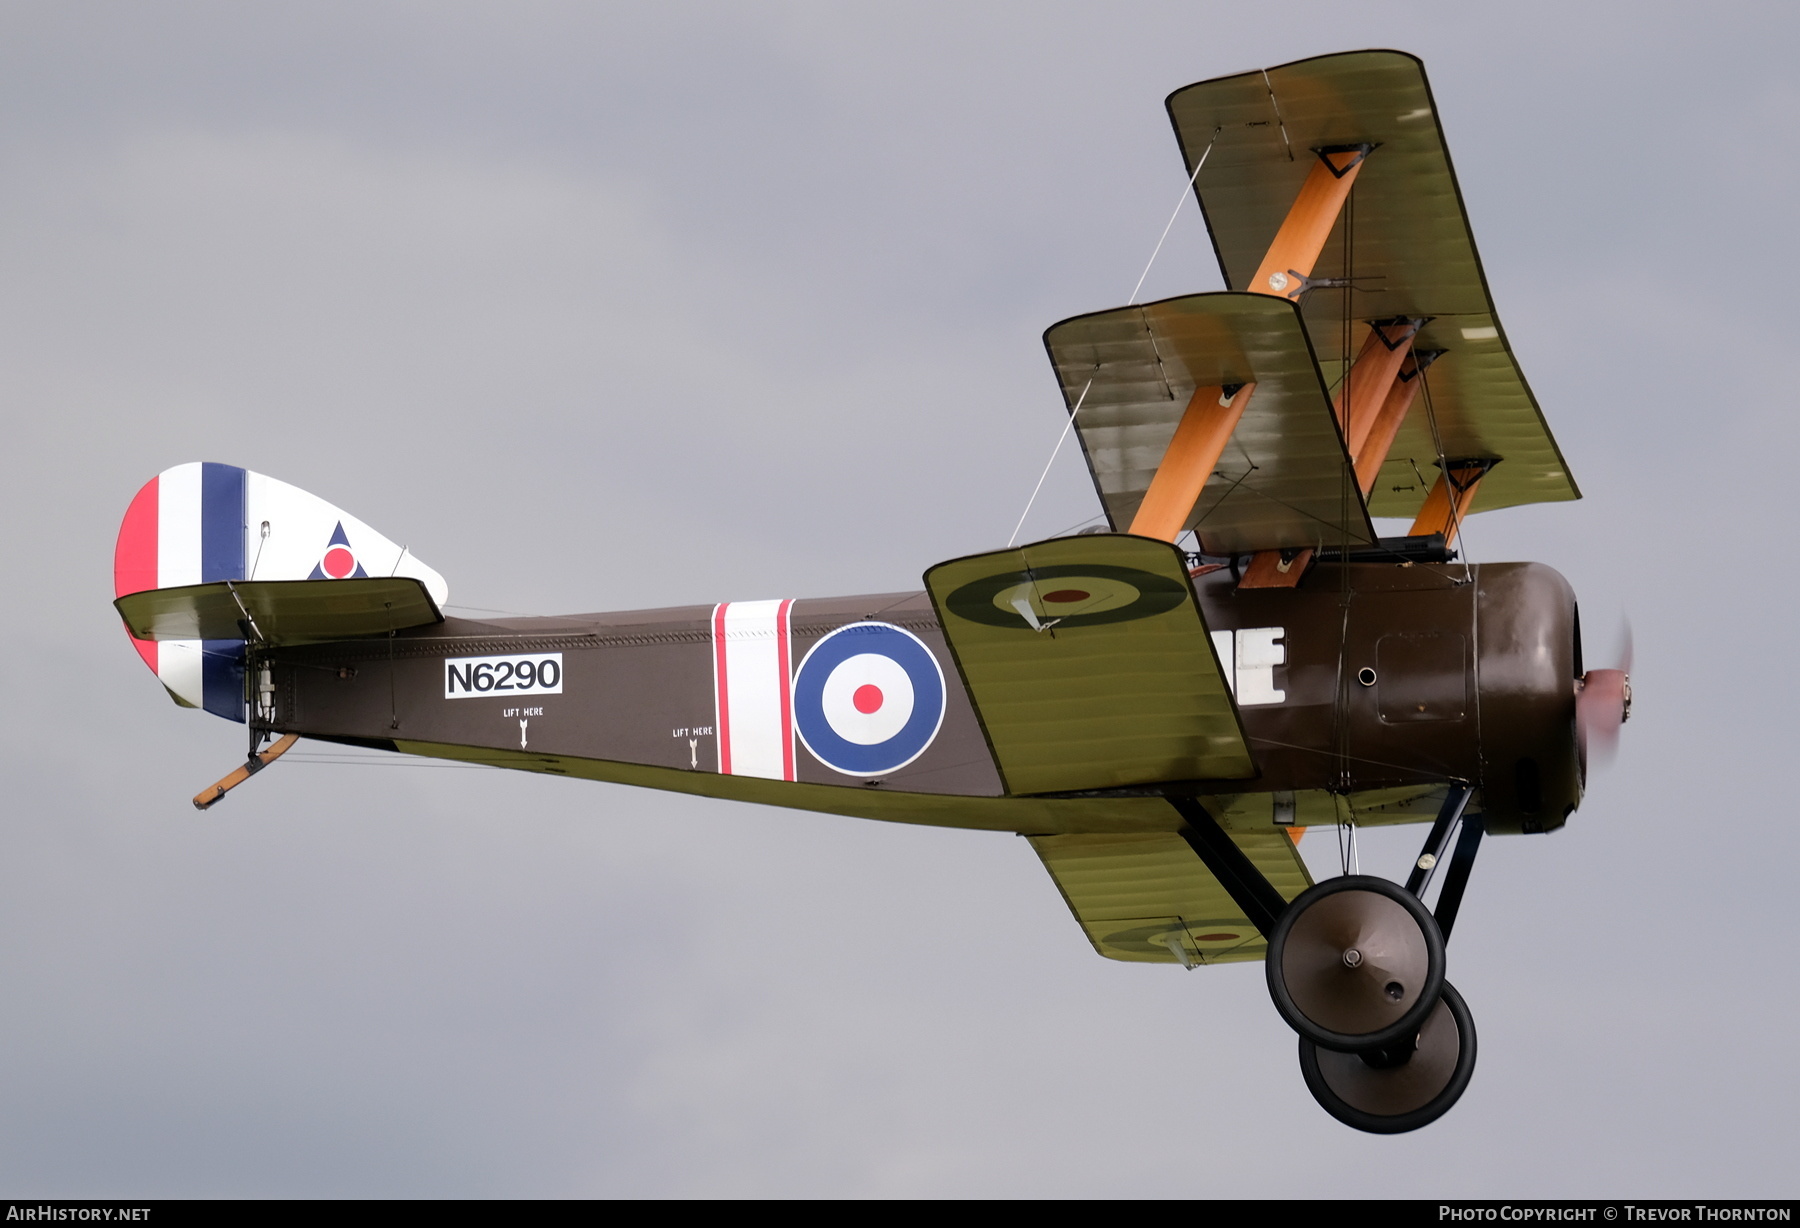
x=1406, y=1085
x=1355, y=964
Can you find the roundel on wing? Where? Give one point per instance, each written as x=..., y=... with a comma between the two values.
x=1075, y=595
x=868, y=699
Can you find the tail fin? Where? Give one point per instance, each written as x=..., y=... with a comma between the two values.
x=202, y=522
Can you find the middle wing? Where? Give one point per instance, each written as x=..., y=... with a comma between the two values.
x=1285, y=481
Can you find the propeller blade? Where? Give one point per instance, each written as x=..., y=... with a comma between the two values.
x=1602, y=706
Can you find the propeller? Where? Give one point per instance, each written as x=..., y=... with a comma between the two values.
x=1602, y=706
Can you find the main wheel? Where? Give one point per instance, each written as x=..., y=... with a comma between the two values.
x=1405, y=1086
x=1355, y=963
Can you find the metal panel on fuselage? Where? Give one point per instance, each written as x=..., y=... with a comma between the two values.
x=1329, y=631
x=1470, y=676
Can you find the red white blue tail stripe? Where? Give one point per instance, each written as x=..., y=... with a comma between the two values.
x=201, y=523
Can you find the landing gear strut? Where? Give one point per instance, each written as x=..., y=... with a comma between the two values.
x=1355, y=965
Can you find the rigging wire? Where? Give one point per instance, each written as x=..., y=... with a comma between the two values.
x=1056, y=451
x=1437, y=443
x=1220, y=502
x=1067, y=427
x=1346, y=479
x=1179, y=202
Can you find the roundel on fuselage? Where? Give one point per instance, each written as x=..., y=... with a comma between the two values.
x=868, y=699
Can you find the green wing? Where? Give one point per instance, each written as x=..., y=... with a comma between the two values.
x=1413, y=253
x=1282, y=482
x=1149, y=899
x=1089, y=664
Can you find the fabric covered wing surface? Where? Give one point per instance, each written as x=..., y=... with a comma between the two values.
x=1284, y=479
x=1149, y=899
x=1413, y=253
x=1089, y=664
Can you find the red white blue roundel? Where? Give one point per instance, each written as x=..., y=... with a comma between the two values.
x=869, y=699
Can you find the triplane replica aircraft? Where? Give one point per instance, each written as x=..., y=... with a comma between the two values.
x=1162, y=724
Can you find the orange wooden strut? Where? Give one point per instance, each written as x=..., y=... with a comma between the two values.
x=1380, y=439
x=1443, y=513
x=1371, y=377
x=1290, y=258
x=1370, y=407
x=1193, y=453
x=1283, y=273
x=1268, y=569
x=1206, y=425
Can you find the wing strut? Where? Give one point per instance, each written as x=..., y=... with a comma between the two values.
x=1299, y=241
x=1206, y=428
x=1246, y=885
x=1444, y=510
x=1200, y=439
x=1378, y=390
x=1378, y=440
x=1288, y=264
x=1372, y=377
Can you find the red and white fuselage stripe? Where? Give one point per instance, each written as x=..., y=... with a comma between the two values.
x=753, y=689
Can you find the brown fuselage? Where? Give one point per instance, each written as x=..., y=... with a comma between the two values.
x=1392, y=681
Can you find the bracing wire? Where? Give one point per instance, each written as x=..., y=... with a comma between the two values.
x=1069, y=425
x=1179, y=202
x=1437, y=443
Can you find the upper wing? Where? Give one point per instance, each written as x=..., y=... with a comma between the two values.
x=1284, y=478
x=1089, y=665
x=1150, y=899
x=1412, y=253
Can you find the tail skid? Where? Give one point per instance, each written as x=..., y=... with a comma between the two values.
x=257, y=761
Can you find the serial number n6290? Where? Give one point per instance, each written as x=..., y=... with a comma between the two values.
x=538, y=673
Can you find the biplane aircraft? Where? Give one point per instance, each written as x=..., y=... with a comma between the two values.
x=1161, y=722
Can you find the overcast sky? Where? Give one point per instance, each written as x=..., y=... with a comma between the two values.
x=603, y=307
